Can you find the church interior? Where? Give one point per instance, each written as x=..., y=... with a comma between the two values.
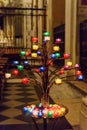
x=43, y=65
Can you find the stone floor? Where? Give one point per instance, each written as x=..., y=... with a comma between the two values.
x=69, y=97
x=16, y=96
x=68, y=94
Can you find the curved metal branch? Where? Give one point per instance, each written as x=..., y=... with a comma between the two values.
x=52, y=72
x=58, y=74
x=33, y=71
x=39, y=74
x=63, y=80
x=35, y=81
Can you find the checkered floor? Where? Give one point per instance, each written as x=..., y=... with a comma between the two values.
x=15, y=97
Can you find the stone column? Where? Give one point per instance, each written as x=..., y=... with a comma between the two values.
x=28, y=28
x=7, y=29
x=70, y=28
x=49, y=22
x=40, y=3
x=34, y=18
x=27, y=25
x=24, y=31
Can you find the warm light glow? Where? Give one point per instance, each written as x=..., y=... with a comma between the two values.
x=35, y=47
x=56, y=48
x=34, y=55
x=52, y=111
x=47, y=38
x=7, y=75
x=58, y=81
x=69, y=63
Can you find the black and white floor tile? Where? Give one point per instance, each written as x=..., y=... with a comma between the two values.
x=15, y=97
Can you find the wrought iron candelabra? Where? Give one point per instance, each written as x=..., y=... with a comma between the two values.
x=48, y=76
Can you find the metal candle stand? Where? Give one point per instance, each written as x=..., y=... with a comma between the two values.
x=47, y=80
